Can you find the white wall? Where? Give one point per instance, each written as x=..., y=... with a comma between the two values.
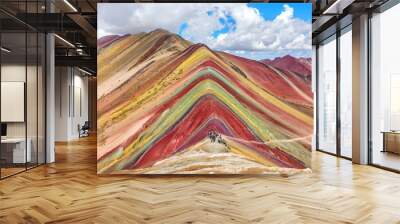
x=9, y=73
x=33, y=127
x=81, y=103
x=12, y=73
x=71, y=94
x=61, y=103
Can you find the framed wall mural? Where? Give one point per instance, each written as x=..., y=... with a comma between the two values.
x=204, y=88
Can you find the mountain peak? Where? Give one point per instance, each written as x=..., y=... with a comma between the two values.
x=301, y=66
x=160, y=30
x=200, y=45
x=288, y=57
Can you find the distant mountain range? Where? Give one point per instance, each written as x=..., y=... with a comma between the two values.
x=166, y=105
x=301, y=66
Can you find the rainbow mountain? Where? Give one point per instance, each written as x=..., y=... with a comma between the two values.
x=168, y=106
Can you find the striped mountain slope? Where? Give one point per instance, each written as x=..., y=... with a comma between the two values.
x=161, y=98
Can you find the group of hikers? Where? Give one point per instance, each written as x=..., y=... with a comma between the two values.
x=215, y=137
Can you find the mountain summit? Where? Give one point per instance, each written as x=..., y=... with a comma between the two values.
x=301, y=66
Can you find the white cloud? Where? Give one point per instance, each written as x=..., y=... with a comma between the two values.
x=102, y=32
x=286, y=15
x=249, y=33
x=122, y=18
x=201, y=26
x=254, y=33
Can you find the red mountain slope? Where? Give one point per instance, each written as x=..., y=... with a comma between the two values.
x=301, y=66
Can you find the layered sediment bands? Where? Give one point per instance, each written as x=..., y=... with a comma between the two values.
x=168, y=106
x=122, y=55
x=287, y=87
x=107, y=40
x=301, y=66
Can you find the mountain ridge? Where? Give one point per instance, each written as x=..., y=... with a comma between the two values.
x=300, y=65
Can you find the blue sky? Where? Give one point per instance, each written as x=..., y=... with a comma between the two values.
x=272, y=10
x=251, y=30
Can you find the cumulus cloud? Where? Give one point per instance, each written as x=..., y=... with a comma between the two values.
x=253, y=33
x=225, y=27
x=122, y=18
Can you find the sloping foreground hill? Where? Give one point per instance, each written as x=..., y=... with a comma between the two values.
x=166, y=105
